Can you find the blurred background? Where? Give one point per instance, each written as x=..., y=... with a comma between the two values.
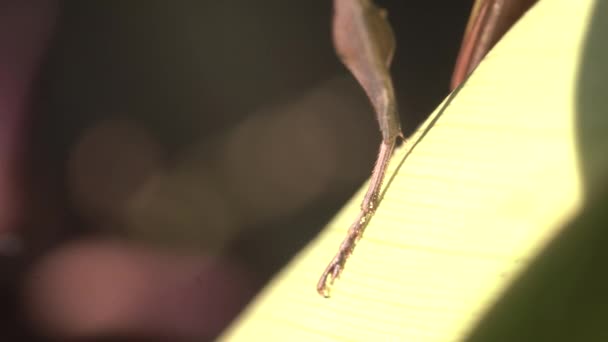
x=160, y=161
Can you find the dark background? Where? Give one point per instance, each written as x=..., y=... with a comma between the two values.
x=224, y=128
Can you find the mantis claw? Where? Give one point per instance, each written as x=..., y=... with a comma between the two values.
x=331, y=273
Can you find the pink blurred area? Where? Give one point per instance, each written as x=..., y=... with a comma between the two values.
x=92, y=288
x=25, y=30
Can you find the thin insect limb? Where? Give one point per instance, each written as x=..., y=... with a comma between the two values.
x=368, y=207
x=364, y=42
x=489, y=21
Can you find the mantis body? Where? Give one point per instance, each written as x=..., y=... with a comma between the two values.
x=364, y=42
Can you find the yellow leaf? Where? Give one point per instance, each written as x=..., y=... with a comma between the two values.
x=487, y=204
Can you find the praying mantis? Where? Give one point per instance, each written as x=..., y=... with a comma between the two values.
x=364, y=42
